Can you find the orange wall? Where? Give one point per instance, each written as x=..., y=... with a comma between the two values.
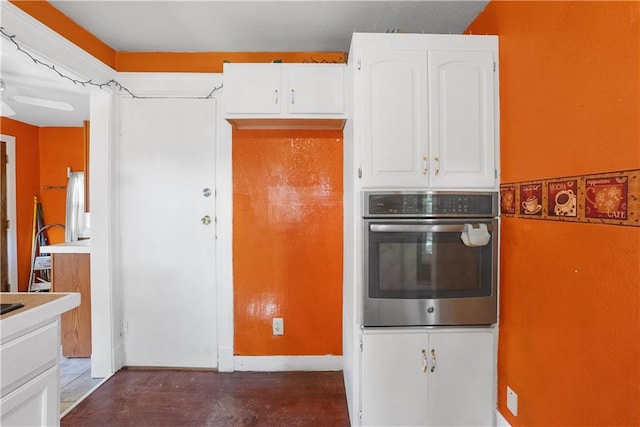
x=287, y=241
x=27, y=185
x=211, y=62
x=569, y=342
x=60, y=147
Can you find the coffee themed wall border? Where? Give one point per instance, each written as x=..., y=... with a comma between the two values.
x=606, y=198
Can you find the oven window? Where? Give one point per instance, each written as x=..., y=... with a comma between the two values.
x=426, y=265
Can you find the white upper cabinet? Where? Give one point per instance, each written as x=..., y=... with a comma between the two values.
x=285, y=95
x=315, y=89
x=461, y=119
x=394, y=104
x=425, y=111
x=252, y=88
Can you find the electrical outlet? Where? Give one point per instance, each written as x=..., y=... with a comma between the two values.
x=278, y=326
x=512, y=401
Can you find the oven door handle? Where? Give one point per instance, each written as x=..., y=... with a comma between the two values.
x=418, y=228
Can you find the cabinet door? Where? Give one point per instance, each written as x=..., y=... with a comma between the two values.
x=394, y=384
x=252, y=88
x=462, y=119
x=36, y=403
x=461, y=388
x=315, y=89
x=394, y=105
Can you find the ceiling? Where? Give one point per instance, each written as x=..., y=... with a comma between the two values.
x=22, y=78
x=220, y=26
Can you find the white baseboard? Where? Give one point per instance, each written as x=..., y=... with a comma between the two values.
x=501, y=421
x=287, y=363
x=225, y=359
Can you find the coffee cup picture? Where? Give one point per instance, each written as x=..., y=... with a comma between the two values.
x=530, y=198
x=564, y=197
x=605, y=198
x=565, y=203
x=531, y=205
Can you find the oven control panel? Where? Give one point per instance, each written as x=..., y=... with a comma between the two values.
x=430, y=204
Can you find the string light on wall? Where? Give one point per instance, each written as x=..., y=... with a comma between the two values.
x=84, y=83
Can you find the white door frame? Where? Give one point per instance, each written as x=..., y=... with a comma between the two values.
x=36, y=38
x=12, y=245
x=198, y=85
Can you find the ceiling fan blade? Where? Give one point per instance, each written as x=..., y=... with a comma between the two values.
x=41, y=102
x=5, y=110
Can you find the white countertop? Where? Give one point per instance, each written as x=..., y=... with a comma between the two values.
x=38, y=307
x=79, y=247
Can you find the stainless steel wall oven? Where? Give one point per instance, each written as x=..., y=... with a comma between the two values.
x=430, y=258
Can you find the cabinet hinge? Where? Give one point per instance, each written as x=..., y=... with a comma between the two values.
x=494, y=66
x=361, y=345
x=495, y=173
x=359, y=172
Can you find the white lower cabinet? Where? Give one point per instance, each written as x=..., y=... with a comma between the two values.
x=30, y=377
x=35, y=403
x=428, y=377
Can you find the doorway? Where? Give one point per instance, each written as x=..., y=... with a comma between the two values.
x=8, y=238
x=4, y=259
x=166, y=231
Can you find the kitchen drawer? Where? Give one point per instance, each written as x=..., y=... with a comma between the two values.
x=29, y=355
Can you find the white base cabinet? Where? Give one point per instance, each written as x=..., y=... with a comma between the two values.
x=428, y=377
x=30, y=354
x=36, y=403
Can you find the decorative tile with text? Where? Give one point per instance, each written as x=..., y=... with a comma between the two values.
x=531, y=199
x=508, y=200
x=562, y=198
x=606, y=197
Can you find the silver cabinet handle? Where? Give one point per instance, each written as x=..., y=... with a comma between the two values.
x=293, y=96
x=425, y=362
x=437, y=160
x=433, y=360
x=425, y=165
x=206, y=220
x=275, y=96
